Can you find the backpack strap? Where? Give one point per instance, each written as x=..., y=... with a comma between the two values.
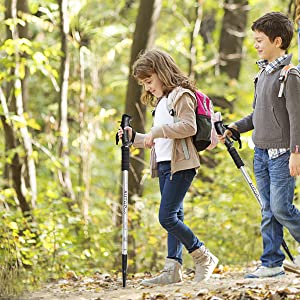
x=283, y=77
x=172, y=112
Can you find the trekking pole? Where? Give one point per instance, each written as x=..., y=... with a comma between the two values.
x=220, y=128
x=125, y=168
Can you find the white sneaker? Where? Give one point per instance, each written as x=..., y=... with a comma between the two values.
x=263, y=271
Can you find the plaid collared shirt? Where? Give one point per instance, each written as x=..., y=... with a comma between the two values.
x=272, y=66
x=269, y=68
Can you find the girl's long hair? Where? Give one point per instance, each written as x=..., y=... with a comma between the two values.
x=161, y=63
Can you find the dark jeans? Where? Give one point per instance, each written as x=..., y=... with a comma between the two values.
x=171, y=213
x=276, y=188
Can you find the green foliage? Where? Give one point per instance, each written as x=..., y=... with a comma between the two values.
x=231, y=207
x=219, y=207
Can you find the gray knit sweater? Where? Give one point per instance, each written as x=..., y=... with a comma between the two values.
x=275, y=121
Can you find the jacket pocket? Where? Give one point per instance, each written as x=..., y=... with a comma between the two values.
x=178, y=150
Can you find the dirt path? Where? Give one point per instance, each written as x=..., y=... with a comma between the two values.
x=228, y=285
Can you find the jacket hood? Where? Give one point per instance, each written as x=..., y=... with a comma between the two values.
x=178, y=92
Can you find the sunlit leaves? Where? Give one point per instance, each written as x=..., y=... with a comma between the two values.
x=11, y=23
x=111, y=30
x=13, y=226
x=219, y=207
x=34, y=60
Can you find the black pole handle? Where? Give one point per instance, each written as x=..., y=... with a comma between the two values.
x=235, y=156
x=124, y=123
x=220, y=129
x=125, y=158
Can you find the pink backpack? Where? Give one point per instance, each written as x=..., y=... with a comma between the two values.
x=206, y=136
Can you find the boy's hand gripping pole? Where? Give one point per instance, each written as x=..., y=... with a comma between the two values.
x=220, y=129
x=125, y=168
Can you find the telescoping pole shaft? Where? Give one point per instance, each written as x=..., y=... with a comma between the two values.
x=125, y=168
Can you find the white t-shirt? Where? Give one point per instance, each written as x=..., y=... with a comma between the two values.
x=163, y=146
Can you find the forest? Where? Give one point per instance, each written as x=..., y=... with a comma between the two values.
x=65, y=81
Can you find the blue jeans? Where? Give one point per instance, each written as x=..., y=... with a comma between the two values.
x=171, y=213
x=276, y=188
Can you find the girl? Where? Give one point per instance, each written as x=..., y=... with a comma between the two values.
x=163, y=81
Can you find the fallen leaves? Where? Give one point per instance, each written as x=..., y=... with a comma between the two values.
x=227, y=283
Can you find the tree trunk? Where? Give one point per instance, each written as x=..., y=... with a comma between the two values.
x=23, y=32
x=14, y=91
x=194, y=35
x=20, y=112
x=15, y=166
x=64, y=175
x=85, y=140
x=232, y=36
x=143, y=38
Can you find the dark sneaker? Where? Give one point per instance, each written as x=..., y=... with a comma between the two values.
x=262, y=272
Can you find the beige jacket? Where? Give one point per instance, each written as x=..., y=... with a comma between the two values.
x=184, y=105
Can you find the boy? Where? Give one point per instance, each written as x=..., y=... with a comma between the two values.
x=276, y=136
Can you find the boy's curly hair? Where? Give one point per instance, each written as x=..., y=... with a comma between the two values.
x=275, y=24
